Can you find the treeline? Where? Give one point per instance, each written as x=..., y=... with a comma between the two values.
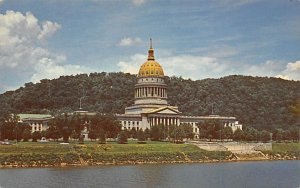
x=99, y=127
x=263, y=103
x=214, y=130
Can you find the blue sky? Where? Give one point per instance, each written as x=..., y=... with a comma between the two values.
x=194, y=39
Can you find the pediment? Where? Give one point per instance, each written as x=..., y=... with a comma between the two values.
x=164, y=110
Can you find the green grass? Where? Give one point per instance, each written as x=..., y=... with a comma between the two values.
x=53, y=147
x=55, y=154
x=285, y=147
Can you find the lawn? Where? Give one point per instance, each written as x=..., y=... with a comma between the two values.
x=54, y=147
x=285, y=147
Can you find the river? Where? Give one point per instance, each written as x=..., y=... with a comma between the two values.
x=262, y=174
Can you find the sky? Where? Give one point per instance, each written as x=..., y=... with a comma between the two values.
x=195, y=39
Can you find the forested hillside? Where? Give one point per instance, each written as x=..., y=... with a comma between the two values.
x=264, y=103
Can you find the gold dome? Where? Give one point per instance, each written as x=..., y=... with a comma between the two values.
x=151, y=67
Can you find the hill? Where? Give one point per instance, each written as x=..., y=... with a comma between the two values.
x=264, y=103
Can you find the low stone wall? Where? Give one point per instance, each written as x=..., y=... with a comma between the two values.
x=235, y=147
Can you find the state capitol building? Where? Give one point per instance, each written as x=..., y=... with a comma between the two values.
x=151, y=106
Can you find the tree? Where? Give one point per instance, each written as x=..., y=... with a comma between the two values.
x=251, y=134
x=178, y=133
x=36, y=136
x=238, y=135
x=147, y=133
x=210, y=129
x=122, y=137
x=265, y=136
x=92, y=135
x=75, y=135
x=105, y=125
x=278, y=135
x=26, y=135
x=155, y=133
x=188, y=130
x=227, y=133
x=141, y=135
x=294, y=133
x=65, y=128
x=133, y=133
x=9, y=123
x=102, y=136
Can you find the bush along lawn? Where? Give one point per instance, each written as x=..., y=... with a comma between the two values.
x=284, y=151
x=55, y=155
x=36, y=155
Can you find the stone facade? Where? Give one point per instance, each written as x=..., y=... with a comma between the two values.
x=38, y=122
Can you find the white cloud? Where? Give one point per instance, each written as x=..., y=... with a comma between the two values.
x=23, y=51
x=138, y=2
x=132, y=66
x=21, y=37
x=200, y=67
x=291, y=71
x=47, y=68
x=48, y=29
x=130, y=41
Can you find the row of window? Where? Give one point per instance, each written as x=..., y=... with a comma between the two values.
x=129, y=128
x=131, y=122
x=152, y=79
x=37, y=128
x=151, y=72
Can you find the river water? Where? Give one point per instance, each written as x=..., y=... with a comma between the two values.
x=282, y=174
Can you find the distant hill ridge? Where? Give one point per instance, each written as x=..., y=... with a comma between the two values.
x=260, y=102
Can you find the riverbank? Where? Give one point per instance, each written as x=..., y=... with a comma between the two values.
x=90, y=154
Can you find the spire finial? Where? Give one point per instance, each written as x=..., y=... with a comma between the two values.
x=150, y=52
